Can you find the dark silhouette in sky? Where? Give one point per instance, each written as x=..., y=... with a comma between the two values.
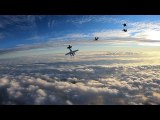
x=124, y=24
x=71, y=53
x=96, y=38
x=125, y=30
x=69, y=47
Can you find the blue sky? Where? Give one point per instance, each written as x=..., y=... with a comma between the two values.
x=20, y=30
x=122, y=66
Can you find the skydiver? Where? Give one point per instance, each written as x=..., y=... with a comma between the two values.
x=69, y=47
x=125, y=30
x=96, y=38
x=124, y=24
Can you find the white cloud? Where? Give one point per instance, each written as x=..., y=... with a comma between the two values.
x=149, y=44
x=111, y=34
x=148, y=34
x=4, y=81
x=85, y=70
x=96, y=18
x=80, y=20
x=145, y=30
x=78, y=35
x=81, y=85
x=27, y=20
x=137, y=31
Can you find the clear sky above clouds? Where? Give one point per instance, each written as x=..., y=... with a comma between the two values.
x=19, y=30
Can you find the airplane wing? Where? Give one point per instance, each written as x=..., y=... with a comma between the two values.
x=71, y=52
x=67, y=53
x=74, y=50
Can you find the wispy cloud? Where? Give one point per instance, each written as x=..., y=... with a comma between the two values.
x=76, y=35
x=72, y=36
x=51, y=23
x=96, y=18
x=80, y=19
x=111, y=34
x=22, y=21
x=149, y=43
x=137, y=31
x=112, y=19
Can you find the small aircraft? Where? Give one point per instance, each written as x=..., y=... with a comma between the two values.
x=96, y=38
x=125, y=30
x=124, y=24
x=71, y=53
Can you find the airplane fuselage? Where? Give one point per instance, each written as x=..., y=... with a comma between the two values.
x=71, y=53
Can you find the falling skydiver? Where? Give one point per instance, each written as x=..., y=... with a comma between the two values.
x=124, y=24
x=96, y=38
x=125, y=30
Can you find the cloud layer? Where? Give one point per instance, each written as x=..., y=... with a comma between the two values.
x=77, y=83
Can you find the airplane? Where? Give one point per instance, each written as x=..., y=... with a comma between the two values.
x=124, y=24
x=96, y=38
x=125, y=30
x=71, y=53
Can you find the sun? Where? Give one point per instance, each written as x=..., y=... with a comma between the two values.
x=153, y=35
x=152, y=38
